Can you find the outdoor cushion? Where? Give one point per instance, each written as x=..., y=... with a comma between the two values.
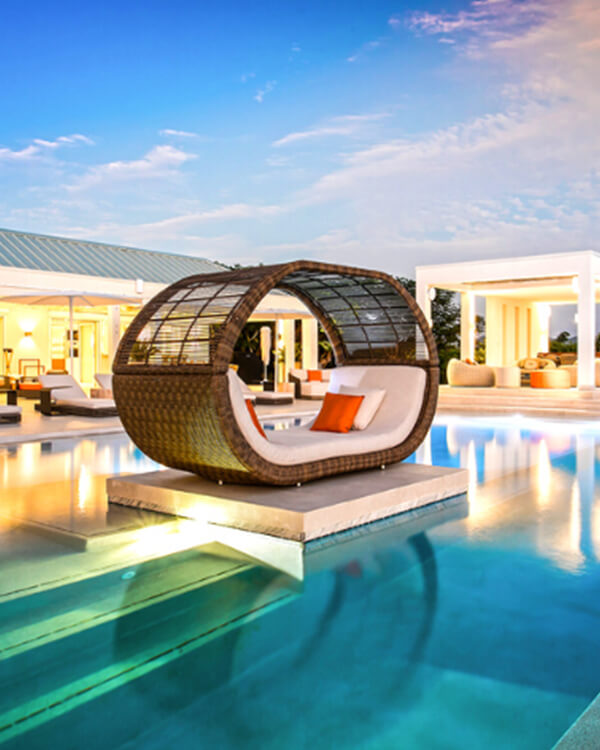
x=66, y=387
x=87, y=403
x=404, y=387
x=10, y=411
x=104, y=380
x=314, y=388
x=372, y=401
x=337, y=412
x=315, y=376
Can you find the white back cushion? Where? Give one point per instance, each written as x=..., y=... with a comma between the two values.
x=66, y=386
x=370, y=404
x=104, y=380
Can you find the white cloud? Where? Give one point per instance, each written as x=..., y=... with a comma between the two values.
x=228, y=212
x=168, y=132
x=24, y=154
x=343, y=125
x=64, y=140
x=160, y=161
x=365, y=49
x=245, y=77
x=266, y=89
x=36, y=149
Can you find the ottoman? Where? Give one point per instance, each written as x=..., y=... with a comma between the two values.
x=507, y=377
x=550, y=379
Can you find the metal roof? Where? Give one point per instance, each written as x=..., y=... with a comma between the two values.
x=62, y=255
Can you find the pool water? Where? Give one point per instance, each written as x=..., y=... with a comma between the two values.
x=474, y=623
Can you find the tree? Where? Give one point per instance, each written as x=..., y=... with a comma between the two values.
x=563, y=343
x=445, y=314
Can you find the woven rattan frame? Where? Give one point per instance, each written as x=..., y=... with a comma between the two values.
x=180, y=414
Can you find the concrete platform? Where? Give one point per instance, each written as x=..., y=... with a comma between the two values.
x=314, y=510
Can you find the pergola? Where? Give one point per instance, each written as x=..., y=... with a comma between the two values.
x=518, y=293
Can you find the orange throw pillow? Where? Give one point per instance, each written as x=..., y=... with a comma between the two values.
x=315, y=376
x=337, y=413
x=257, y=424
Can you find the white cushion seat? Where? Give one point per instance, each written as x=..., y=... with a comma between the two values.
x=10, y=413
x=88, y=403
x=404, y=391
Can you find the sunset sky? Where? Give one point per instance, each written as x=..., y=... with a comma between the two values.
x=376, y=133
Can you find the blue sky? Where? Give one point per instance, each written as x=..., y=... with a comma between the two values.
x=383, y=134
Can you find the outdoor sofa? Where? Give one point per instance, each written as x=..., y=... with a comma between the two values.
x=188, y=411
x=469, y=374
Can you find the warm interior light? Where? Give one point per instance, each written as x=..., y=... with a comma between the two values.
x=27, y=326
x=575, y=284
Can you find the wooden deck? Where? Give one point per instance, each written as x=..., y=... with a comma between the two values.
x=566, y=403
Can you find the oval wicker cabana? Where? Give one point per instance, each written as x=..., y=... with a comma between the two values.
x=171, y=372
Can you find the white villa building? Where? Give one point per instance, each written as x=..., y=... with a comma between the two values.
x=38, y=336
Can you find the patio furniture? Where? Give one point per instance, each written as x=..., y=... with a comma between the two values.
x=264, y=397
x=183, y=406
x=559, y=358
x=550, y=378
x=527, y=365
x=572, y=370
x=62, y=394
x=471, y=375
x=104, y=380
x=507, y=377
x=10, y=412
x=306, y=385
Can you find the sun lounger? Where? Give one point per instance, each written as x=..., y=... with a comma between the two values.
x=62, y=394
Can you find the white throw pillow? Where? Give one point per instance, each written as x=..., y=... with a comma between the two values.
x=371, y=403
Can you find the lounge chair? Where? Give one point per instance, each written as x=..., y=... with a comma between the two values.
x=10, y=412
x=306, y=388
x=264, y=397
x=62, y=394
x=182, y=405
x=104, y=390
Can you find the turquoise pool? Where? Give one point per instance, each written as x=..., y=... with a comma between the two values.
x=474, y=623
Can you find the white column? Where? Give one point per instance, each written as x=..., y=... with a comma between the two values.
x=586, y=332
x=114, y=331
x=422, y=299
x=540, y=334
x=467, y=325
x=289, y=341
x=310, y=344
